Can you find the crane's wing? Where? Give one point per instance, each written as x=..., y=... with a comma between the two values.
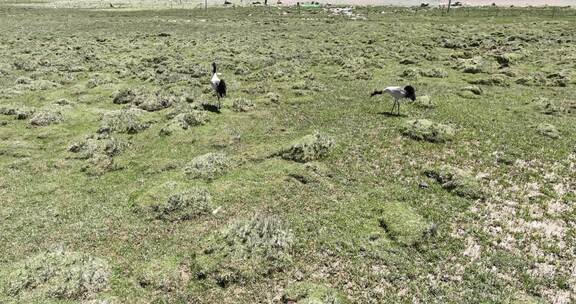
x=222, y=88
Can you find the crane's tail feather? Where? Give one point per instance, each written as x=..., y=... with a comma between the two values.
x=376, y=92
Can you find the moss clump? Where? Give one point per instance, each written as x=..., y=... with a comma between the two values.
x=473, y=69
x=172, y=201
x=494, y=80
x=245, y=250
x=476, y=90
x=425, y=101
x=424, y=129
x=156, y=102
x=310, y=293
x=46, y=118
x=184, y=121
x=434, y=73
x=92, y=145
x=59, y=274
x=98, y=153
x=100, y=164
x=122, y=121
x=208, y=166
x=403, y=224
x=21, y=112
x=242, y=105
x=548, y=130
x=411, y=73
x=308, y=148
x=165, y=273
x=126, y=96
x=457, y=181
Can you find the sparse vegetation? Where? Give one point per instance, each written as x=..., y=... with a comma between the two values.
x=59, y=274
x=160, y=196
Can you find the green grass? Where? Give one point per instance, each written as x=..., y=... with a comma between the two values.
x=355, y=216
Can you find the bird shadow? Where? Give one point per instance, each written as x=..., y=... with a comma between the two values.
x=389, y=114
x=210, y=108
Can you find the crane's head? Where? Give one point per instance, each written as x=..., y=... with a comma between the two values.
x=213, y=67
x=410, y=92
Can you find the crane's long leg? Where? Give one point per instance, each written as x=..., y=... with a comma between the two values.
x=398, y=107
x=393, y=106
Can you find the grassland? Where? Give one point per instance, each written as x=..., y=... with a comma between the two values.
x=117, y=186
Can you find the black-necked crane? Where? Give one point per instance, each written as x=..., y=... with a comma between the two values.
x=219, y=85
x=398, y=93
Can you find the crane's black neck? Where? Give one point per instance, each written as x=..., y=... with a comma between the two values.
x=214, y=68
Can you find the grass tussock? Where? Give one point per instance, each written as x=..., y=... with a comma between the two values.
x=59, y=274
x=122, y=121
x=46, y=118
x=98, y=152
x=424, y=129
x=208, y=166
x=185, y=121
x=457, y=181
x=548, y=130
x=403, y=224
x=308, y=148
x=242, y=105
x=19, y=112
x=246, y=250
x=174, y=201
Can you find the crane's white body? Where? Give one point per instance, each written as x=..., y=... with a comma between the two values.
x=215, y=81
x=396, y=92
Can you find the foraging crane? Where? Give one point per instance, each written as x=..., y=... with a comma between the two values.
x=219, y=85
x=397, y=93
